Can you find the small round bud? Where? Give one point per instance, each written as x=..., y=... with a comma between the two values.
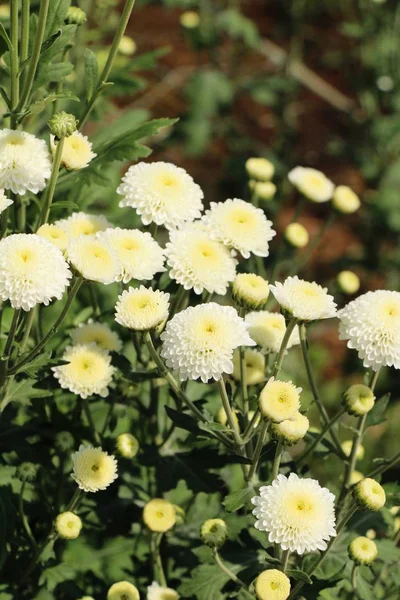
x=292, y=430
x=356, y=476
x=222, y=418
x=347, y=446
x=345, y=200
x=349, y=282
x=190, y=19
x=4, y=12
x=255, y=366
x=214, y=533
x=68, y=525
x=279, y=400
x=76, y=16
x=127, y=445
x=123, y=590
x=27, y=471
x=371, y=534
x=358, y=399
x=260, y=169
x=363, y=550
x=127, y=46
x=394, y=510
x=272, y=585
x=159, y=515
x=264, y=190
x=369, y=495
x=86, y=598
x=250, y=291
x=64, y=441
x=297, y=235
x=62, y=125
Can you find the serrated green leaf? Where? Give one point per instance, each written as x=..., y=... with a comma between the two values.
x=22, y=391
x=52, y=576
x=56, y=16
x=376, y=415
x=236, y=500
x=206, y=582
x=91, y=72
x=40, y=105
x=298, y=575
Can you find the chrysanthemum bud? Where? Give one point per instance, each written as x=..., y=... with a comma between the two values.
x=363, y=550
x=348, y=282
x=260, y=169
x=371, y=534
x=123, y=590
x=190, y=19
x=345, y=200
x=86, y=598
x=297, y=235
x=292, y=430
x=347, y=446
x=76, y=16
x=369, y=495
x=264, y=190
x=355, y=477
x=62, y=125
x=27, y=471
x=127, y=46
x=279, y=400
x=358, y=399
x=159, y=515
x=222, y=418
x=272, y=585
x=214, y=532
x=250, y=291
x=64, y=441
x=127, y=445
x=68, y=525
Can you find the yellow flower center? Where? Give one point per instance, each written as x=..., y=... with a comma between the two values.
x=14, y=139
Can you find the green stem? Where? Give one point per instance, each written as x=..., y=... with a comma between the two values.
x=4, y=221
x=285, y=560
x=14, y=62
x=314, y=389
x=392, y=462
x=277, y=460
x=321, y=435
x=25, y=20
x=21, y=215
x=243, y=373
x=354, y=578
x=229, y=573
x=71, y=295
x=29, y=317
x=11, y=333
x=123, y=22
x=258, y=449
x=86, y=410
x=159, y=574
x=23, y=516
x=229, y=413
x=44, y=217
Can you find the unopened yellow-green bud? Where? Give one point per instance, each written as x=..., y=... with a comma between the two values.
x=347, y=446
x=250, y=291
x=272, y=585
x=358, y=399
x=190, y=19
x=127, y=445
x=369, y=495
x=292, y=430
x=297, y=235
x=62, y=125
x=363, y=550
x=127, y=46
x=64, y=441
x=214, y=532
x=68, y=525
x=76, y=16
x=345, y=200
x=123, y=590
x=264, y=190
x=260, y=169
x=27, y=471
x=348, y=282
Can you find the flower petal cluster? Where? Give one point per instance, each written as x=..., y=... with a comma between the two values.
x=159, y=515
x=161, y=193
x=93, y=468
x=123, y=590
x=199, y=341
x=81, y=223
x=88, y=370
x=298, y=514
x=68, y=525
x=198, y=262
x=345, y=200
x=260, y=169
x=304, y=300
x=267, y=329
x=240, y=226
x=32, y=271
x=127, y=445
x=4, y=201
x=138, y=253
x=371, y=325
x=250, y=290
x=291, y=430
x=279, y=400
x=141, y=308
x=77, y=151
x=313, y=184
x=158, y=592
x=363, y=550
x=53, y=234
x=25, y=162
x=94, y=258
x=272, y=585
x=98, y=333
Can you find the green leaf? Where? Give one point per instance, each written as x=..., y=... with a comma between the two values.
x=4, y=36
x=376, y=415
x=238, y=27
x=58, y=574
x=91, y=72
x=40, y=361
x=236, y=500
x=52, y=72
x=206, y=582
x=182, y=420
x=56, y=16
x=298, y=575
x=363, y=590
x=40, y=105
x=22, y=392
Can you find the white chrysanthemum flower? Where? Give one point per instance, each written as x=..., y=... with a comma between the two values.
x=93, y=469
x=81, y=223
x=157, y=592
x=304, y=300
x=371, y=324
x=197, y=262
x=199, y=341
x=88, y=370
x=268, y=329
x=98, y=333
x=94, y=258
x=279, y=400
x=240, y=225
x=4, y=201
x=53, y=234
x=313, y=184
x=298, y=514
x=139, y=254
x=68, y=525
x=25, y=162
x=141, y=308
x=77, y=151
x=161, y=193
x=32, y=271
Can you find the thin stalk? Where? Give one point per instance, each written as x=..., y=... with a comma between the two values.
x=392, y=462
x=86, y=410
x=285, y=560
x=44, y=217
x=314, y=389
x=34, y=61
x=23, y=516
x=258, y=449
x=29, y=318
x=277, y=460
x=243, y=373
x=229, y=573
x=123, y=22
x=354, y=578
x=21, y=215
x=25, y=20
x=321, y=435
x=178, y=300
x=229, y=413
x=12, y=332
x=249, y=432
x=71, y=295
x=14, y=61
x=159, y=574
